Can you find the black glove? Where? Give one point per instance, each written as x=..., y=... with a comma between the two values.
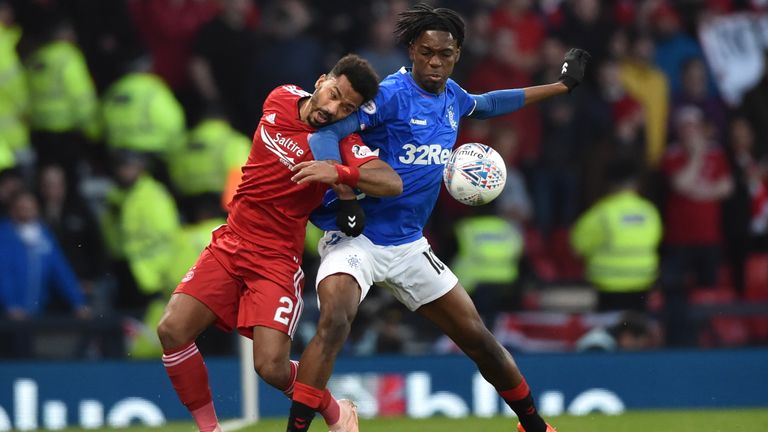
x=574, y=64
x=350, y=217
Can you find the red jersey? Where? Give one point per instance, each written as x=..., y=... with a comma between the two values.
x=268, y=207
x=689, y=221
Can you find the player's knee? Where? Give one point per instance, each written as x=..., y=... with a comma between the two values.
x=334, y=326
x=273, y=371
x=171, y=332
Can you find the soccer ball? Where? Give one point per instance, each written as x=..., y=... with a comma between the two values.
x=475, y=174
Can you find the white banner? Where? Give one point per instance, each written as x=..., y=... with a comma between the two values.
x=734, y=46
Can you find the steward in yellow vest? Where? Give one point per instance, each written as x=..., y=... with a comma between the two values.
x=619, y=238
x=199, y=169
x=140, y=228
x=63, y=105
x=14, y=95
x=486, y=263
x=141, y=114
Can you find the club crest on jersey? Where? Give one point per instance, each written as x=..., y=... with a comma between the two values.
x=369, y=107
x=363, y=151
x=452, y=118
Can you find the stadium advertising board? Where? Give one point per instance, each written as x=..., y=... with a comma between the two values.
x=110, y=394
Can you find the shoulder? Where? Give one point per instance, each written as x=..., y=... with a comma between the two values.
x=285, y=93
x=454, y=86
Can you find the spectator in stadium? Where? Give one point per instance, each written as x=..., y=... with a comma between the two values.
x=380, y=49
x=199, y=168
x=74, y=225
x=743, y=210
x=619, y=237
x=526, y=31
x=139, y=227
x=141, y=113
x=674, y=47
x=698, y=179
x=63, y=104
x=694, y=91
x=648, y=85
x=14, y=96
x=32, y=264
x=11, y=182
x=168, y=29
x=220, y=66
x=287, y=42
x=107, y=35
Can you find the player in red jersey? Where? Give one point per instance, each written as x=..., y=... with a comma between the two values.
x=249, y=277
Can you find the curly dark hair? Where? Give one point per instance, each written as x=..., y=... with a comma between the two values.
x=422, y=17
x=360, y=74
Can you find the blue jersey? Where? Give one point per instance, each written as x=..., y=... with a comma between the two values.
x=414, y=132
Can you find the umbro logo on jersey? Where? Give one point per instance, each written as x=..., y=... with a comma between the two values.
x=270, y=118
x=419, y=122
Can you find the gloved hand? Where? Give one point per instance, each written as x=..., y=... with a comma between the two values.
x=574, y=64
x=350, y=217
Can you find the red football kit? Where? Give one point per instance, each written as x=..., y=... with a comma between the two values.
x=250, y=274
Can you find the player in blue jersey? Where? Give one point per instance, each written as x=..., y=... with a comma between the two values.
x=412, y=123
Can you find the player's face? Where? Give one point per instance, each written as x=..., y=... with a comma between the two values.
x=333, y=99
x=434, y=54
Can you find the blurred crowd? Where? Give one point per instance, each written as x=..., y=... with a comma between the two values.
x=122, y=121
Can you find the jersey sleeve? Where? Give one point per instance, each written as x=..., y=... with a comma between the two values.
x=463, y=99
x=354, y=152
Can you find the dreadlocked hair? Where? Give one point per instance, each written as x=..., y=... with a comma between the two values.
x=422, y=17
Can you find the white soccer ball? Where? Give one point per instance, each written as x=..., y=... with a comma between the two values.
x=475, y=174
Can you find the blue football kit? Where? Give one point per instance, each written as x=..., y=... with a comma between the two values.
x=414, y=132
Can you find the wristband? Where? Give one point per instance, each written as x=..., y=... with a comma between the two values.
x=348, y=175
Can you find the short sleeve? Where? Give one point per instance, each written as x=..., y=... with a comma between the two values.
x=354, y=152
x=465, y=102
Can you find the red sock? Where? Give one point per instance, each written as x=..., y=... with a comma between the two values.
x=329, y=408
x=516, y=393
x=520, y=400
x=307, y=395
x=294, y=372
x=189, y=376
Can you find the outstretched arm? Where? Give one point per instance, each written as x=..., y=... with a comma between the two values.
x=502, y=102
x=325, y=142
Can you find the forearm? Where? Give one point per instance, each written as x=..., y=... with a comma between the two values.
x=501, y=102
x=541, y=92
x=380, y=182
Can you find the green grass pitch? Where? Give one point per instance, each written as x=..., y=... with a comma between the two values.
x=747, y=420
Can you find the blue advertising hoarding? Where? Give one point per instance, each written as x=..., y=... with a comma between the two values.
x=99, y=394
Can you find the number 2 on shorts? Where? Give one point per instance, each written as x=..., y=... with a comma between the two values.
x=283, y=312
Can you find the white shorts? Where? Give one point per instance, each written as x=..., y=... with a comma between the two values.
x=411, y=271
